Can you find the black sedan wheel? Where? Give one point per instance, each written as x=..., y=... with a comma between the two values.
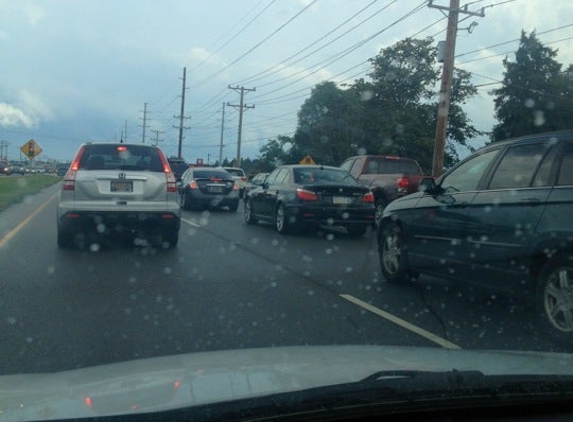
x=234, y=206
x=248, y=212
x=555, y=296
x=282, y=224
x=393, y=260
x=185, y=202
x=379, y=206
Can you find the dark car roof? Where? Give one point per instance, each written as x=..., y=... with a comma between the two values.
x=558, y=135
x=307, y=166
x=382, y=156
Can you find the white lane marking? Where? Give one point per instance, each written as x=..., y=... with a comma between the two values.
x=402, y=323
x=23, y=223
x=191, y=223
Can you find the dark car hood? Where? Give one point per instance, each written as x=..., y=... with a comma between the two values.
x=158, y=384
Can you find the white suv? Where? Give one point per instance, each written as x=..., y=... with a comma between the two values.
x=117, y=188
x=239, y=177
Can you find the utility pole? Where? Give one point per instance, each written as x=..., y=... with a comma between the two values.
x=182, y=115
x=446, y=84
x=157, y=132
x=144, y=122
x=124, y=135
x=222, y=131
x=4, y=149
x=241, y=106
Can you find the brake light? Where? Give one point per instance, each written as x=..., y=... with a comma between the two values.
x=169, y=176
x=403, y=183
x=122, y=148
x=215, y=179
x=306, y=195
x=244, y=179
x=69, y=182
x=193, y=185
x=368, y=198
x=235, y=186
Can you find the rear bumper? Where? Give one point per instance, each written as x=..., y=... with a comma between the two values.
x=202, y=199
x=331, y=216
x=107, y=222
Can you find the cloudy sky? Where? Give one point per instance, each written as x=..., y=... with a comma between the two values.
x=73, y=71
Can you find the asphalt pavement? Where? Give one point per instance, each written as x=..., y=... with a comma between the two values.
x=226, y=286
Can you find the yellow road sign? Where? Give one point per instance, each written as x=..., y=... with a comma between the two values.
x=31, y=149
x=307, y=160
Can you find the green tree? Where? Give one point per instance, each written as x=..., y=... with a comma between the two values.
x=275, y=153
x=535, y=95
x=392, y=113
x=323, y=131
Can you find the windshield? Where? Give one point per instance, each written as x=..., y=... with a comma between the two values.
x=235, y=172
x=206, y=174
x=120, y=157
x=323, y=175
x=389, y=166
x=204, y=203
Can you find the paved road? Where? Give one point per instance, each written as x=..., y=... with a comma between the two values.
x=226, y=286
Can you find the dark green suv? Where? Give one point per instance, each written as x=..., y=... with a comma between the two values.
x=502, y=219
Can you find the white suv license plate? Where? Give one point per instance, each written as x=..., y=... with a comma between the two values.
x=121, y=186
x=342, y=200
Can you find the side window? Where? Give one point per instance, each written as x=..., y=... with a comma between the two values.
x=271, y=179
x=518, y=166
x=543, y=176
x=467, y=175
x=282, y=177
x=566, y=171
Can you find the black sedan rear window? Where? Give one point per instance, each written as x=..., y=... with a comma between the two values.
x=207, y=174
x=234, y=172
x=314, y=175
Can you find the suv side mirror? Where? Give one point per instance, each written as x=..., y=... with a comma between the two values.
x=427, y=185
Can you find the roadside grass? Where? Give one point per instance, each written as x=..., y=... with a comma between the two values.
x=14, y=189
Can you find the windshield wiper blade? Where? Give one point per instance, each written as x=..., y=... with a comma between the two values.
x=455, y=382
x=394, y=392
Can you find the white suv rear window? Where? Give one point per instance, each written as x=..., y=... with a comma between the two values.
x=121, y=157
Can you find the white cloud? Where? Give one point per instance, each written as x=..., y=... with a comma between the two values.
x=29, y=111
x=11, y=116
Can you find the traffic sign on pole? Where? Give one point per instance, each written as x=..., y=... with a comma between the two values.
x=31, y=149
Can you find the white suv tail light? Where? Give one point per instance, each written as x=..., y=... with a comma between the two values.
x=69, y=182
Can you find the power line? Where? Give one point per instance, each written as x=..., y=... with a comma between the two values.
x=270, y=72
x=322, y=64
x=234, y=36
x=304, y=9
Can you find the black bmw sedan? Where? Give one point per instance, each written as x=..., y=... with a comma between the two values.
x=297, y=196
x=206, y=187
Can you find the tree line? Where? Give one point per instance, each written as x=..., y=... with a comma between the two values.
x=393, y=110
